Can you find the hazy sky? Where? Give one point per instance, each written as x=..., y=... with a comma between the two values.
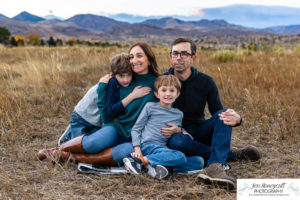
x=69, y=8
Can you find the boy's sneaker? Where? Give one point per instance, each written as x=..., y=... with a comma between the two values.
x=133, y=165
x=65, y=136
x=158, y=171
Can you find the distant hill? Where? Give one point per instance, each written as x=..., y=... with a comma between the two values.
x=201, y=24
x=46, y=31
x=3, y=17
x=167, y=22
x=124, y=17
x=94, y=22
x=27, y=17
x=292, y=29
x=254, y=16
x=86, y=26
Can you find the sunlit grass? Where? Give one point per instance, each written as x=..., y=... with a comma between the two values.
x=40, y=87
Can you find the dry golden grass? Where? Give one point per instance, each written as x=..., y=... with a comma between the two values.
x=40, y=86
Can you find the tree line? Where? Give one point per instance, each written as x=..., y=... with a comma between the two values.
x=34, y=39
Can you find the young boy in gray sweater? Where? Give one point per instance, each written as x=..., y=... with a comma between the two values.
x=149, y=143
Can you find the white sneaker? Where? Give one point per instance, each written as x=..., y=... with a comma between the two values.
x=158, y=171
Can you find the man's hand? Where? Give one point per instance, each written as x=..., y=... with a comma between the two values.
x=168, y=132
x=230, y=117
x=186, y=133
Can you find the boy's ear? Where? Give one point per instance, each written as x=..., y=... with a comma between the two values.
x=178, y=93
x=156, y=94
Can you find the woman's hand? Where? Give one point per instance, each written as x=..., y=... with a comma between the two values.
x=230, y=117
x=140, y=91
x=105, y=78
x=168, y=132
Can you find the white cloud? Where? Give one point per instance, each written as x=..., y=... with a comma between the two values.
x=197, y=12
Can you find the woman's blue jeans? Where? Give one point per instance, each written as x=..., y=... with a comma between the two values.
x=212, y=140
x=103, y=138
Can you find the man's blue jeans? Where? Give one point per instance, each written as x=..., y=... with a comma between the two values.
x=212, y=140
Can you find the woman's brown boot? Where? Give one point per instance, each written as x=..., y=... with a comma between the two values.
x=104, y=157
x=62, y=152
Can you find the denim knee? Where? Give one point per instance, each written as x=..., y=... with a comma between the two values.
x=122, y=151
x=178, y=141
x=181, y=158
x=100, y=140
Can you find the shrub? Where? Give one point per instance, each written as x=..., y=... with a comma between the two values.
x=225, y=56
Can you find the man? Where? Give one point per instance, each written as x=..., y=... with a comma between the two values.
x=211, y=138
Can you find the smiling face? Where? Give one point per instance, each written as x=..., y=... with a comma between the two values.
x=124, y=79
x=138, y=60
x=180, y=64
x=167, y=95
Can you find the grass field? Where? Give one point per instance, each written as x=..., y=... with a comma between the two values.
x=40, y=87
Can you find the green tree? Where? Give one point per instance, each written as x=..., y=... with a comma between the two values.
x=42, y=42
x=4, y=34
x=13, y=42
x=51, y=42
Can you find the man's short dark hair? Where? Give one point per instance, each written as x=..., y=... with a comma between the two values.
x=182, y=40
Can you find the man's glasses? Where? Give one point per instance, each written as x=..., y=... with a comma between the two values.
x=183, y=54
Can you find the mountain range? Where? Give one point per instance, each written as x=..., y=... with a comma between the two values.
x=89, y=26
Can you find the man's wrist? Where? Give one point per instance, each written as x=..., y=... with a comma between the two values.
x=180, y=129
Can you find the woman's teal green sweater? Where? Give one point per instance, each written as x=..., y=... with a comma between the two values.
x=127, y=119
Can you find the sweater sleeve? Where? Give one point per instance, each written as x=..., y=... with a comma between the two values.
x=113, y=107
x=101, y=91
x=136, y=131
x=213, y=98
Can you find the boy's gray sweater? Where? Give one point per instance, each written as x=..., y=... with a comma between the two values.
x=152, y=118
x=87, y=107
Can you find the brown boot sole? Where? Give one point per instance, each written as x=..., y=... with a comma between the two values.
x=224, y=183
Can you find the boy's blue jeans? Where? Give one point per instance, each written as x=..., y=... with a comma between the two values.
x=159, y=155
x=212, y=140
x=162, y=155
x=79, y=126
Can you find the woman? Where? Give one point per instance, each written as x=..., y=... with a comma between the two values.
x=111, y=144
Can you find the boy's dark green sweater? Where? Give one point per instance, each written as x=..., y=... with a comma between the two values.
x=127, y=119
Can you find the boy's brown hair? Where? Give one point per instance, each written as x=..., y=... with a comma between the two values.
x=167, y=80
x=120, y=64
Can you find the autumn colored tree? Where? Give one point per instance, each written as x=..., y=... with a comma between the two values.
x=71, y=41
x=33, y=38
x=4, y=34
x=21, y=39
